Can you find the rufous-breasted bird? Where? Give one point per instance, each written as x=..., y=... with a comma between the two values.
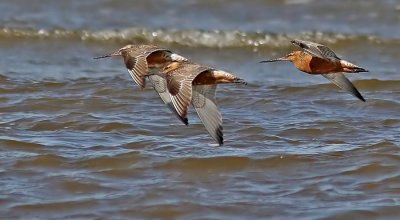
x=317, y=59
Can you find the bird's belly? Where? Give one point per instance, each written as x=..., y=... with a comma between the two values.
x=322, y=66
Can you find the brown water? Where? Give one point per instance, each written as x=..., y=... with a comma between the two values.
x=79, y=140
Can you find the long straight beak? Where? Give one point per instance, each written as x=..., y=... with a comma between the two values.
x=101, y=57
x=274, y=60
x=116, y=53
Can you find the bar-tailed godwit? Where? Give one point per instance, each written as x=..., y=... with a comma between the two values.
x=193, y=83
x=320, y=60
x=140, y=60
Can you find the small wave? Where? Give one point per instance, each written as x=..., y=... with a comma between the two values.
x=378, y=85
x=366, y=85
x=44, y=161
x=13, y=144
x=190, y=37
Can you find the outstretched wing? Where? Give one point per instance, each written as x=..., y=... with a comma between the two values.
x=135, y=61
x=137, y=68
x=342, y=82
x=315, y=49
x=179, y=84
x=204, y=102
x=160, y=85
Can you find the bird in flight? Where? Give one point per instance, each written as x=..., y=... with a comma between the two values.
x=190, y=83
x=143, y=60
x=318, y=59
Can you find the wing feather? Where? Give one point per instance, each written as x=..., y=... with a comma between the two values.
x=137, y=68
x=342, y=82
x=160, y=85
x=179, y=84
x=205, y=104
x=315, y=49
x=135, y=61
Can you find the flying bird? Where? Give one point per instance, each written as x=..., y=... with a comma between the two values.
x=317, y=59
x=143, y=61
x=190, y=83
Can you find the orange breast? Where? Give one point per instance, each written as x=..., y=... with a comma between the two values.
x=315, y=65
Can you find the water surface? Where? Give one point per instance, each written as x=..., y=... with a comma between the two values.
x=79, y=140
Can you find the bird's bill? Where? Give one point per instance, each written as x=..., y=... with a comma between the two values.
x=274, y=60
x=116, y=53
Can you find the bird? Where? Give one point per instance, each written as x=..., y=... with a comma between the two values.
x=318, y=59
x=142, y=61
x=192, y=83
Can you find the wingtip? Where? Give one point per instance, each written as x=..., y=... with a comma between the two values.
x=220, y=135
x=184, y=120
x=359, y=70
x=359, y=96
x=220, y=141
x=299, y=43
x=295, y=42
x=365, y=70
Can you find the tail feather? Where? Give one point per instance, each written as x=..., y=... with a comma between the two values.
x=351, y=68
x=359, y=70
x=239, y=81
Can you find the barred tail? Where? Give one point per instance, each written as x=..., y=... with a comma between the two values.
x=225, y=77
x=351, y=68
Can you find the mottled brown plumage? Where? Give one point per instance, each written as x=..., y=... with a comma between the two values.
x=196, y=84
x=140, y=60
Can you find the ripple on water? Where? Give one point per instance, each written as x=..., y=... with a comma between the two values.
x=302, y=132
x=389, y=212
x=111, y=162
x=56, y=208
x=371, y=169
x=391, y=122
x=76, y=186
x=49, y=161
x=230, y=163
x=19, y=144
